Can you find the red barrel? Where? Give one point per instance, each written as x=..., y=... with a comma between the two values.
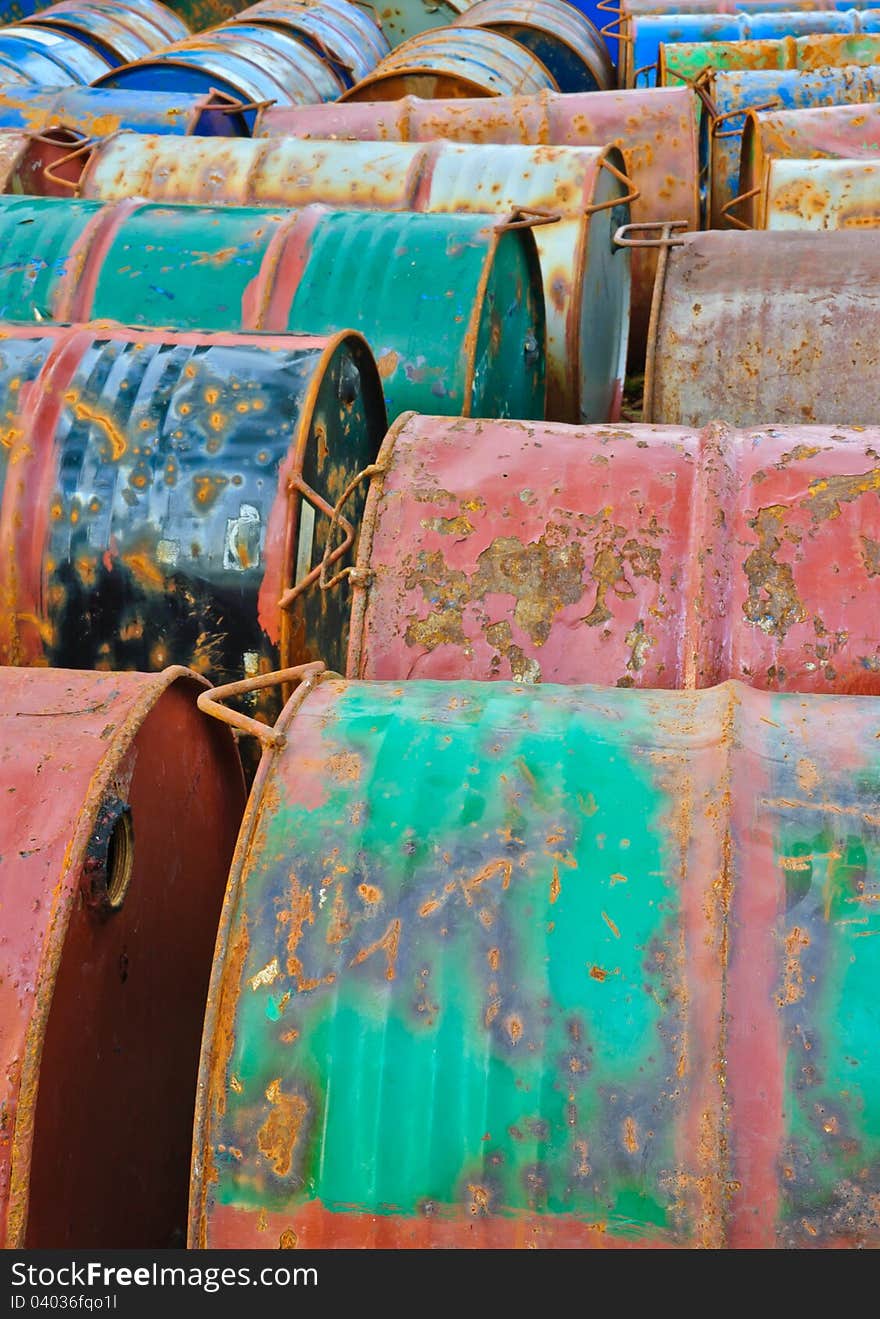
x=121, y=804
x=634, y=556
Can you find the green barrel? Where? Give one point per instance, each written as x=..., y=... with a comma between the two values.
x=452, y=305
x=685, y=61
x=536, y=965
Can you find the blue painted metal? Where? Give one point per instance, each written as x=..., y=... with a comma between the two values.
x=256, y=64
x=733, y=91
x=341, y=33
x=119, y=30
x=47, y=59
x=99, y=111
x=648, y=32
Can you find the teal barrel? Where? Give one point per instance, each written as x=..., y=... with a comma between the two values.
x=509, y=965
x=452, y=305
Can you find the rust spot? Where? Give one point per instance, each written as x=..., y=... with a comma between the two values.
x=808, y=777
x=340, y=923
x=773, y=603
x=370, y=893
x=793, y=987
x=598, y=974
x=871, y=555
x=278, y=1135
x=503, y=867
x=630, y=1135
x=555, y=885
x=288, y=1239
x=345, y=767
x=610, y=923
x=389, y=942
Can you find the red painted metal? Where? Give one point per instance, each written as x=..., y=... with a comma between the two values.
x=632, y=556
x=654, y=128
x=120, y=809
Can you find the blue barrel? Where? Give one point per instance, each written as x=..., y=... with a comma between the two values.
x=99, y=111
x=648, y=32
x=255, y=64
x=120, y=30
x=346, y=37
x=734, y=91
x=47, y=59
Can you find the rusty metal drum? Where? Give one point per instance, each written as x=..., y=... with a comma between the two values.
x=498, y=550
x=345, y=36
x=585, y=274
x=99, y=111
x=485, y=944
x=455, y=61
x=254, y=64
x=835, y=131
x=39, y=162
x=475, y=348
x=736, y=333
x=564, y=40
x=44, y=58
x=730, y=94
x=653, y=128
x=121, y=805
x=819, y=194
x=119, y=30
x=167, y=497
x=687, y=61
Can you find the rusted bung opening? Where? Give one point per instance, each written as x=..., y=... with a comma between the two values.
x=110, y=858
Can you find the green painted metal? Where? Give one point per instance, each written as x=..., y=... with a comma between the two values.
x=452, y=308
x=511, y=965
x=684, y=62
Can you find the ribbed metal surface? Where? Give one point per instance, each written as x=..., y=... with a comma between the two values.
x=586, y=279
x=253, y=63
x=733, y=92
x=47, y=59
x=687, y=61
x=563, y=40
x=120, y=30
x=649, y=32
x=497, y=550
x=654, y=129
x=474, y=345
x=340, y=32
x=835, y=131
x=101, y=1006
x=100, y=111
x=455, y=61
x=151, y=505
x=738, y=336
x=485, y=945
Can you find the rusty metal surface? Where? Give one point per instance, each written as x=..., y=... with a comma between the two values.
x=843, y=131
x=254, y=63
x=733, y=92
x=820, y=194
x=564, y=41
x=46, y=58
x=120, y=30
x=737, y=334
x=100, y=111
x=685, y=62
x=586, y=279
x=633, y=556
x=339, y=32
x=471, y=349
x=25, y=159
x=161, y=490
x=455, y=61
x=654, y=129
x=106, y=947
x=513, y=966
x=402, y=19
x=648, y=33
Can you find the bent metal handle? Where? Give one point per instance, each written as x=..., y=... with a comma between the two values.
x=209, y=701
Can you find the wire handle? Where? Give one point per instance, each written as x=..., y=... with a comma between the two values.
x=223, y=103
x=632, y=195
x=667, y=229
x=85, y=145
x=728, y=207
x=609, y=29
x=774, y=104
x=209, y=701
x=528, y=217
